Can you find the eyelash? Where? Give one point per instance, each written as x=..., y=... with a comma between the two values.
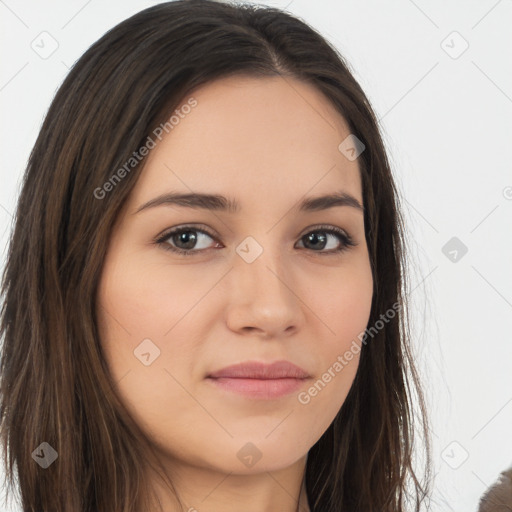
x=345, y=238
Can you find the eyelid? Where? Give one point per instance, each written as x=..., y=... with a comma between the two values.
x=182, y=227
x=203, y=227
x=323, y=227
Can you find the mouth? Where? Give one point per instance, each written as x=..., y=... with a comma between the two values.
x=258, y=380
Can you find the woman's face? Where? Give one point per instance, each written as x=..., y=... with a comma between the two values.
x=264, y=283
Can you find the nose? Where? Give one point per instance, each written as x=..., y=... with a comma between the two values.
x=263, y=297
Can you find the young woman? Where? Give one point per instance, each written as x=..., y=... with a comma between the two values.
x=204, y=293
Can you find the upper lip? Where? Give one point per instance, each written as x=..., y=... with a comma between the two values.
x=258, y=370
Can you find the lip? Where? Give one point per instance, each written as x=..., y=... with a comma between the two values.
x=257, y=370
x=260, y=380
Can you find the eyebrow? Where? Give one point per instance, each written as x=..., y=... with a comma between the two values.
x=218, y=202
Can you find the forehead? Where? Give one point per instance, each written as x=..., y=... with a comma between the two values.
x=267, y=138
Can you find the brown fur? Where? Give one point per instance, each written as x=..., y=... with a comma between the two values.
x=498, y=498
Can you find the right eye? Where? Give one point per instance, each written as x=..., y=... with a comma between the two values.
x=184, y=240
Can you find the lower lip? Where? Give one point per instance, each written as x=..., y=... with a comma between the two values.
x=265, y=389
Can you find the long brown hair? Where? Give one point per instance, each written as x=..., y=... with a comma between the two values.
x=55, y=386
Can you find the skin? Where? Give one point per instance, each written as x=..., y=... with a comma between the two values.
x=266, y=142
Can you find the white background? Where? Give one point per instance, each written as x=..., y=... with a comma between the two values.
x=446, y=118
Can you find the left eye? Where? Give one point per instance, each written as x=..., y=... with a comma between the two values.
x=188, y=237
x=320, y=237
x=185, y=240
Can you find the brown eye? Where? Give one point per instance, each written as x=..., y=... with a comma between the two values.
x=185, y=240
x=334, y=239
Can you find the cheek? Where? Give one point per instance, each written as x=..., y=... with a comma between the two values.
x=138, y=306
x=343, y=303
x=147, y=299
x=344, y=306
x=138, y=301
